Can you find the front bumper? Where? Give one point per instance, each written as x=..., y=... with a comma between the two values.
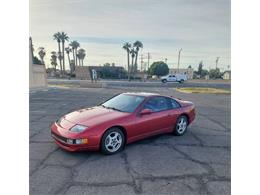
x=61, y=137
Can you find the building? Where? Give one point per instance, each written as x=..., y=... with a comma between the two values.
x=37, y=72
x=187, y=71
x=82, y=72
x=227, y=75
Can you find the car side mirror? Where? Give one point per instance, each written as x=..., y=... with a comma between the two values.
x=146, y=111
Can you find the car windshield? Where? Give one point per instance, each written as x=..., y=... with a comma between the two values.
x=124, y=102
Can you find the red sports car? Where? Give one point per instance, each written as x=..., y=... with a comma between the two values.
x=123, y=119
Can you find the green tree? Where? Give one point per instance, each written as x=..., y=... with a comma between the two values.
x=41, y=53
x=204, y=73
x=127, y=47
x=159, y=68
x=75, y=45
x=57, y=37
x=106, y=64
x=36, y=60
x=215, y=73
x=200, y=68
x=137, y=45
x=63, y=37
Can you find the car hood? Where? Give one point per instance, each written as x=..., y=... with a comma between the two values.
x=93, y=116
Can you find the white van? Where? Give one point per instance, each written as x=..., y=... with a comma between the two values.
x=174, y=78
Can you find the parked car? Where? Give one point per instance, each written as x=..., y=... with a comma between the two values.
x=174, y=78
x=123, y=119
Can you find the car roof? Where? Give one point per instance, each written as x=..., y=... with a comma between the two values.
x=145, y=94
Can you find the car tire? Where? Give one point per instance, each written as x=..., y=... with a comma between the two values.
x=181, y=126
x=164, y=80
x=112, y=141
x=181, y=81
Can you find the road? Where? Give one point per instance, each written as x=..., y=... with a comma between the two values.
x=123, y=83
x=196, y=163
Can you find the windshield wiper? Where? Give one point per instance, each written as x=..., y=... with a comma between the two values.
x=112, y=108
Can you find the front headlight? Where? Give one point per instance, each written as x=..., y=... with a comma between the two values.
x=78, y=128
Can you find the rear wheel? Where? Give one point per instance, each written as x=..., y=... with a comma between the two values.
x=112, y=141
x=164, y=80
x=181, y=126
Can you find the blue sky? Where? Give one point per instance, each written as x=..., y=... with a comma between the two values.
x=200, y=27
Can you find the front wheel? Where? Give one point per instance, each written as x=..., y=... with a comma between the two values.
x=181, y=126
x=112, y=141
x=164, y=80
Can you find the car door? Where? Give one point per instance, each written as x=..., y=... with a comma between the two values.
x=158, y=120
x=172, y=78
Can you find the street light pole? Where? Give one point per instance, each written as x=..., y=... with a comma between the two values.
x=217, y=62
x=148, y=61
x=179, y=59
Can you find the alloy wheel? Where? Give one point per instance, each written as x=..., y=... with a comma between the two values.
x=181, y=126
x=113, y=141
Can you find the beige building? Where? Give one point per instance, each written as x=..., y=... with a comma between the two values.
x=187, y=71
x=82, y=72
x=227, y=75
x=37, y=72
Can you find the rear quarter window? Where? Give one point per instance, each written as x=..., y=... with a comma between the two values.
x=175, y=104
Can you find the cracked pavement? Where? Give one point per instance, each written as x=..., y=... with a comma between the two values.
x=196, y=163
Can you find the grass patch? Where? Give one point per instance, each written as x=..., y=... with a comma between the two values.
x=203, y=90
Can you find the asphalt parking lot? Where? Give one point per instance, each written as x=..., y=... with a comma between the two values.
x=196, y=163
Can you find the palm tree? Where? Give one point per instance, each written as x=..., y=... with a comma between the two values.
x=81, y=55
x=60, y=57
x=57, y=37
x=133, y=53
x=68, y=50
x=75, y=45
x=54, y=60
x=137, y=45
x=31, y=47
x=63, y=37
x=127, y=47
x=41, y=53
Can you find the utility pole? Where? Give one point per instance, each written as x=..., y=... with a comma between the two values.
x=148, y=61
x=179, y=59
x=217, y=62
